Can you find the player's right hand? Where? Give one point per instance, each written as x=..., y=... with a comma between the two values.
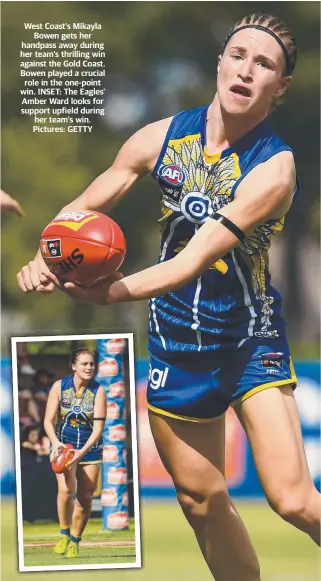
x=36, y=276
x=55, y=447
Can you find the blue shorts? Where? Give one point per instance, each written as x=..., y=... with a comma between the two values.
x=94, y=456
x=201, y=388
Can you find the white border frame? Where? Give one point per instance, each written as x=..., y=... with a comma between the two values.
x=129, y=337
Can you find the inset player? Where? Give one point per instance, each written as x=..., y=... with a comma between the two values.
x=75, y=414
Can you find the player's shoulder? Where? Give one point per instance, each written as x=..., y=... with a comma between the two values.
x=56, y=386
x=280, y=168
x=141, y=150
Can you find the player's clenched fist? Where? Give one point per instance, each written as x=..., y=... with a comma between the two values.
x=36, y=276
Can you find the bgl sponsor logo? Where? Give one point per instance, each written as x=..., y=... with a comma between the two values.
x=157, y=377
x=172, y=174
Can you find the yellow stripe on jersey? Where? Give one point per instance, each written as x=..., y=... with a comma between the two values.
x=211, y=157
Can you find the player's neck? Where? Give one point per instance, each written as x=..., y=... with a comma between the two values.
x=223, y=130
x=80, y=384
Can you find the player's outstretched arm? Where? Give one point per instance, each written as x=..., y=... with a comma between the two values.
x=266, y=193
x=135, y=159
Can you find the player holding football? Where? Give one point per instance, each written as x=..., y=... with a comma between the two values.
x=75, y=414
x=216, y=335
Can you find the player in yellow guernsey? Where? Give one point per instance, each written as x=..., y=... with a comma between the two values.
x=75, y=414
x=217, y=337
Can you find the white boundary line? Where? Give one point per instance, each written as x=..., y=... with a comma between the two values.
x=130, y=339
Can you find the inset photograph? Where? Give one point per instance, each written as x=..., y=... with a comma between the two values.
x=76, y=452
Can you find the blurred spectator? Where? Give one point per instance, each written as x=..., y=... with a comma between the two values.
x=43, y=380
x=10, y=204
x=23, y=359
x=32, y=440
x=28, y=408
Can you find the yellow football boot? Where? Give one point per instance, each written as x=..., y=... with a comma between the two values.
x=73, y=550
x=61, y=545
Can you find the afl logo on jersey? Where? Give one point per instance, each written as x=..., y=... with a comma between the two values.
x=77, y=409
x=172, y=174
x=196, y=207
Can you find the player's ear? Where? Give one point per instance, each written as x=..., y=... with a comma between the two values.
x=283, y=85
x=73, y=367
x=219, y=63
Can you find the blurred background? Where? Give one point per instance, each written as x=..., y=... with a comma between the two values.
x=161, y=58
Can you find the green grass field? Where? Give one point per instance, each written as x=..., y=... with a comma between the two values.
x=170, y=552
x=47, y=532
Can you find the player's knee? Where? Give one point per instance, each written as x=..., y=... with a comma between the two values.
x=66, y=494
x=84, y=499
x=200, y=507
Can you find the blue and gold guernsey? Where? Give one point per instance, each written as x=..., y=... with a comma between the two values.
x=75, y=418
x=234, y=299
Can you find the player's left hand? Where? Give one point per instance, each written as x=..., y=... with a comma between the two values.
x=78, y=454
x=96, y=294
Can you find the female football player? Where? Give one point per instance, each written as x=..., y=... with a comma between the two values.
x=75, y=414
x=216, y=335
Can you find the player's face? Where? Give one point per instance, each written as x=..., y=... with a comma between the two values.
x=84, y=366
x=250, y=73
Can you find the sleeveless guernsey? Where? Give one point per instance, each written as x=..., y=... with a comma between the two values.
x=234, y=299
x=76, y=414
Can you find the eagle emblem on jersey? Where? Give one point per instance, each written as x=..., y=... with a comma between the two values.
x=206, y=186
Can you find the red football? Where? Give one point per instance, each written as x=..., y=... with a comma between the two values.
x=61, y=459
x=83, y=247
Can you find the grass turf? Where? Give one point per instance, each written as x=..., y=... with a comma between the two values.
x=170, y=551
x=44, y=556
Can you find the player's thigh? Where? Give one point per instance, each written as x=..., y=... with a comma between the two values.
x=87, y=478
x=291, y=405
x=192, y=453
x=272, y=427
x=67, y=481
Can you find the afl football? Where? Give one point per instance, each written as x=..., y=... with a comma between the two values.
x=83, y=247
x=60, y=461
